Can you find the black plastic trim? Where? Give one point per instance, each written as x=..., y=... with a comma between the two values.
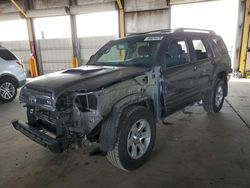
x=37, y=136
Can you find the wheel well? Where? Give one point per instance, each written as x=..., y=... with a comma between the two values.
x=9, y=77
x=148, y=104
x=223, y=76
x=109, y=126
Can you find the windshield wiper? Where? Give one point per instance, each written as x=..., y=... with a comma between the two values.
x=120, y=64
x=103, y=64
x=140, y=65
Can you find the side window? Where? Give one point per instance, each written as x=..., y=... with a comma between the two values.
x=199, y=49
x=214, y=47
x=221, y=47
x=7, y=55
x=176, y=53
x=183, y=46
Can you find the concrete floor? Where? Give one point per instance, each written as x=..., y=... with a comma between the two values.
x=196, y=150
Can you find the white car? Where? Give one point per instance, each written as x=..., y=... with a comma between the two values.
x=12, y=75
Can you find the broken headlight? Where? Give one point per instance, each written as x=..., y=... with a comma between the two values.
x=64, y=101
x=86, y=103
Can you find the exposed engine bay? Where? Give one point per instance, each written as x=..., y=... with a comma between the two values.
x=73, y=116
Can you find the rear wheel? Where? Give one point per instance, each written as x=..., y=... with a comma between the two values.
x=214, y=99
x=8, y=90
x=136, y=138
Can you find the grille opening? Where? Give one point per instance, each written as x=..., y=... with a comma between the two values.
x=86, y=103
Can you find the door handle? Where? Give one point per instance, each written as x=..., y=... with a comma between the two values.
x=194, y=68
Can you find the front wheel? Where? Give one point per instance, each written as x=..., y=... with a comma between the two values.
x=136, y=138
x=214, y=99
x=8, y=90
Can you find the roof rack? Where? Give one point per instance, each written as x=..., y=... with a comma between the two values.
x=194, y=30
x=154, y=31
x=181, y=29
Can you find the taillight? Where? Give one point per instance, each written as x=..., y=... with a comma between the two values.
x=19, y=62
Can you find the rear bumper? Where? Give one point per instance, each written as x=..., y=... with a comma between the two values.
x=38, y=136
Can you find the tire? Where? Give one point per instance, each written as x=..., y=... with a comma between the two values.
x=8, y=90
x=214, y=99
x=136, y=129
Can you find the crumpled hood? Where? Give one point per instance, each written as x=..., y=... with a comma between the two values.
x=88, y=78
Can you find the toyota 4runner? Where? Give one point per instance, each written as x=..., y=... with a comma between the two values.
x=128, y=86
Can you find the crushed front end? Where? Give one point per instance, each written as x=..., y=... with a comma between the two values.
x=58, y=123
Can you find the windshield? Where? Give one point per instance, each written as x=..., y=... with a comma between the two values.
x=136, y=51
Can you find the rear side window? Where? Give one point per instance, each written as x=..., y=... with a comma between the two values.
x=199, y=49
x=7, y=55
x=219, y=44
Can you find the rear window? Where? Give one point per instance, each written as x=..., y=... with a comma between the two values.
x=219, y=44
x=7, y=55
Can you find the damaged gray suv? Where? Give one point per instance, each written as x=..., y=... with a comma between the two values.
x=128, y=86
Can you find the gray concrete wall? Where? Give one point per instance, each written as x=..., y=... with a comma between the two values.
x=87, y=2
x=144, y=5
x=147, y=21
x=7, y=6
x=44, y=4
x=56, y=54
x=89, y=46
x=146, y=15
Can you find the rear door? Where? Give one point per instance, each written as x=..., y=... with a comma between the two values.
x=179, y=74
x=202, y=60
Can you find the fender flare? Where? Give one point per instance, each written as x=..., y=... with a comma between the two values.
x=217, y=72
x=109, y=129
x=218, y=69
